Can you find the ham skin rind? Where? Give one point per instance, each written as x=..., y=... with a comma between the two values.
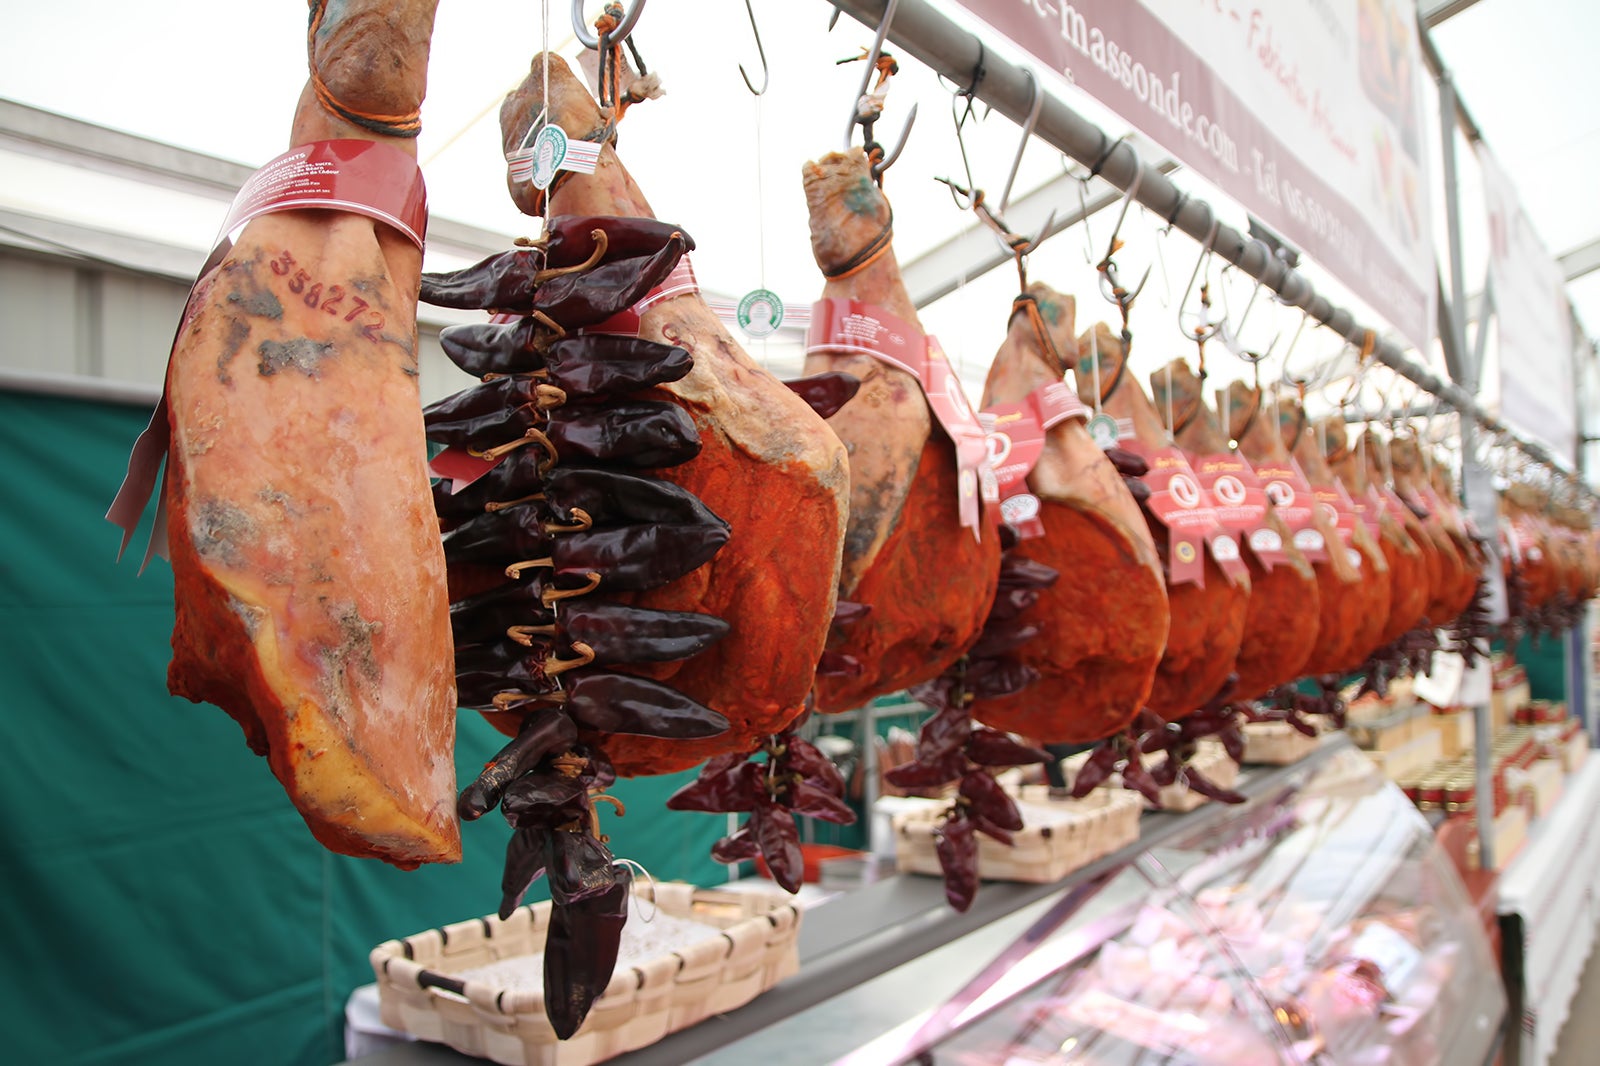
x=928, y=581
x=768, y=466
x=308, y=575
x=1103, y=625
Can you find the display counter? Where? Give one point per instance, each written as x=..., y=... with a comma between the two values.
x=1265, y=904
x=1548, y=916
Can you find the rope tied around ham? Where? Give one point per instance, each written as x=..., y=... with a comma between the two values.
x=408, y=124
x=874, y=250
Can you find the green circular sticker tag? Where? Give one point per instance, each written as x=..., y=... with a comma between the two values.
x=549, y=149
x=760, y=312
x=1103, y=431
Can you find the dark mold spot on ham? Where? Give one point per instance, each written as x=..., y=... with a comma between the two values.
x=218, y=529
x=863, y=198
x=238, y=333
x=260, y=303
x=303, y=355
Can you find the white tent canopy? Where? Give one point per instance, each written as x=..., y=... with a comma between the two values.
x=726, y=165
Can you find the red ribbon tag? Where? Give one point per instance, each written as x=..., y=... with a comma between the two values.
x=843, y=325
x=1016, y=440
x=460, y=467
x=1241, y=503
x=1181, y=503
x=627, y=323
x=1291, y=495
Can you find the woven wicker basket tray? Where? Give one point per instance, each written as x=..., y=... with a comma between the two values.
x=1094, y=826
x=645, y=1001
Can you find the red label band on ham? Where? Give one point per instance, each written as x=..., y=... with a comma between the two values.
x=851, y=326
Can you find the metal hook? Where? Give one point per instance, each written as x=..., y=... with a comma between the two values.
x=766, y=75
x=866, y=77
x=1110, y=286
x=630, y=17
x=1204, y=329
x=1036, y=102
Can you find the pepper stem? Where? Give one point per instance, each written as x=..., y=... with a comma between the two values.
x=524, y=634
x=600, y=243
x=555, y=665
x=553, y=596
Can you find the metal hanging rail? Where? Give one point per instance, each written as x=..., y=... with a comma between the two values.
x=923, y=32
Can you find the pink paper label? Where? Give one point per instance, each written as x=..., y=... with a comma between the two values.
x=1182, y=504
x=1337, y=507
x=1241, y=503
x=1016, y=440
x=1291, y=496
x=844, y=325
x=360, y=177
x=627, y=323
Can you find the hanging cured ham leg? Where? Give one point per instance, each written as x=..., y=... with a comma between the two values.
x=926, y=579
x=1102, y=627
x=1372, y=592
x=1260, y=439
x=768, y=467
x=308, y=575
x=1405, y=465
x=1208, y=616
x=1281, y=622
x=1408, y=571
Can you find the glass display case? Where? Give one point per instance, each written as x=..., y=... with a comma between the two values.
x=1319, y=923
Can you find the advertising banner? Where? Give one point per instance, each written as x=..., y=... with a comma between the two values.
x=1308, y=112
x=1530, y=301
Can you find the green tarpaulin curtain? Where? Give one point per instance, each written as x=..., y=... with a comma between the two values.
x=163, y=902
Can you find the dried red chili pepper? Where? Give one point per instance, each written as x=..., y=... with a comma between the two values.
x=779, y=837
x=622, y=633
x=569, y=239
x=544, y=800
x=580, y=950
x=994, y=678
x=990, y=800
x=613, y=498
x=1136, y=777
x=526, y=854
x=920, y=775
x=740, y=847
x=826, y=393
x=637, y=433
x=990, y=747
x=622, y=703
x=1101, y=764
x=506, y=282
x=543, y=731
x=1198, y=782
x=957, y=849
x=943, y=734
x=726, y=785
x=815, y=801
x=802, y=757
